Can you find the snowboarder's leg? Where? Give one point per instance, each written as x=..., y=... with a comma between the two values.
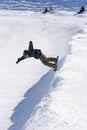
x=52, y=59
x=46, y=62
x=55, y=60
x=56, y=63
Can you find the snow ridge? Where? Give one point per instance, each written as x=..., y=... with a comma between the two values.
x=65, y=107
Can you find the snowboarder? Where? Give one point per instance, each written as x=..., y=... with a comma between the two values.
x=37, y=54
x=82, y=9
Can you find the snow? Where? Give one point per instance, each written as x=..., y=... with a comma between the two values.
x=32, y=96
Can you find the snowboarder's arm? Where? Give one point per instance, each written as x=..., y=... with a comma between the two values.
x=30, y=48
x=19, y=59
x=24, y=56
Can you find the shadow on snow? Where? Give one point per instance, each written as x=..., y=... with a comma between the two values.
x=32, y=97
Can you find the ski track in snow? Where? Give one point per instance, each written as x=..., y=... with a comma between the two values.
x=48, y=100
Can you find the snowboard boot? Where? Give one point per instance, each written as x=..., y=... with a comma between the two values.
x=55, y=68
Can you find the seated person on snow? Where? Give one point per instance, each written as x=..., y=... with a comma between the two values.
x=81, y=10
x=48, y=10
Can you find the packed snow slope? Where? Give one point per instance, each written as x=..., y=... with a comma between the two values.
x=32, y=96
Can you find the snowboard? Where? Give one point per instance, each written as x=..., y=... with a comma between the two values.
x=55, y=69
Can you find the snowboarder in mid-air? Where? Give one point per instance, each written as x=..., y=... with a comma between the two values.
x=37, y=54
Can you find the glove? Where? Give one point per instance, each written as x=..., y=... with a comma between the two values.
x=17, y=62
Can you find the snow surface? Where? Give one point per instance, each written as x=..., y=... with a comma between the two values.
x=32, y=96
